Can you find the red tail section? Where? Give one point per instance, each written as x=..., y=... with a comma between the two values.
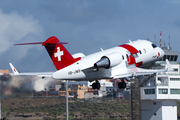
x=58, y=53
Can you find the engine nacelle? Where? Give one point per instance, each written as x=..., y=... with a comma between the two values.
x=109, y=60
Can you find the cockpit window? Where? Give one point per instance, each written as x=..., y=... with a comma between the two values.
x=154, y=46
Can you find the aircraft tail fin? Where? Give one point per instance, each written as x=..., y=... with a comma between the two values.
x=13, y=69
x=57, y=52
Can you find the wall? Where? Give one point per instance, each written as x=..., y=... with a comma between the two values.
x=159, y=110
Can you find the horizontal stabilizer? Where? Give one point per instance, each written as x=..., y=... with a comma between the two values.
x=39, y=43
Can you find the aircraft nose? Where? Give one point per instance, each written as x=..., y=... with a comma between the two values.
x=161, y=53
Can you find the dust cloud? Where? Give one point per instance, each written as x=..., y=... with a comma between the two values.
x=29, y=83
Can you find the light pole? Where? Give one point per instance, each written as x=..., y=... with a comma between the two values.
x=67, y=114
x=46, y=92
x=0, y=96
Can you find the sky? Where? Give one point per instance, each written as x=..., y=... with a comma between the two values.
x=87, y=25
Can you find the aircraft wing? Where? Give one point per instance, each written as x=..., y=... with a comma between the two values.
x=39, y=74
x=135, y=71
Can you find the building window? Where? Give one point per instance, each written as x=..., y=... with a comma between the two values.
x=163, y=91
x=174, y=79
x=149, y=91
x=168, y=57
x=175, y=59
x=175, y=91
x=176, y=69
x=164, y=58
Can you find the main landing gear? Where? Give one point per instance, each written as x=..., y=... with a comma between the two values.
x=122, y=84
x=96, y=85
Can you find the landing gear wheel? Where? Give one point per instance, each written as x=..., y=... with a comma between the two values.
x=96, y=85
x=122, y=85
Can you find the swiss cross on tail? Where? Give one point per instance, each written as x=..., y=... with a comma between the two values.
x=58, y=54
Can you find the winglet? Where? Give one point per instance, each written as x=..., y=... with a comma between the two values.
x=13, y=69
x=169, y=67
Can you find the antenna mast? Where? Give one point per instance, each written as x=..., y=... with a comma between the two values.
x=160, y=39
x=169, y=41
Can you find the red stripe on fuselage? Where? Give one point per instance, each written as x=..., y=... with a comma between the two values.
x=131, y=59
x=130, y=48
x=139, y=64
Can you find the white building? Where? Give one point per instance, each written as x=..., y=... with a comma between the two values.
x=159, y=95
x=0, y=108
x=102, y=82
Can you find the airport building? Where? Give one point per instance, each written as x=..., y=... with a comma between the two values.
x=160, y=93
x=103, y=82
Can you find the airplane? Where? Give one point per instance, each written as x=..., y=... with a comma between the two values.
x=123, y=61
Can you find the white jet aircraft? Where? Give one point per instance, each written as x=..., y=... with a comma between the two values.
x=118, y=62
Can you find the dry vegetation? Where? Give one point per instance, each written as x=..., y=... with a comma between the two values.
x=55, y=108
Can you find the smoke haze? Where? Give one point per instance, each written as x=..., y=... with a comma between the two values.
x=29, y=83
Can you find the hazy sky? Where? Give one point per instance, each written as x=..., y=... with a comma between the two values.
x=87, y=25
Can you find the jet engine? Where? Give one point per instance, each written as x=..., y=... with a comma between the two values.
x=109, y=60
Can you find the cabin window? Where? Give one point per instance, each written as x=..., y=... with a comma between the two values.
x=131, y=55
x=127, y=56
x=140, y=52
x=144, y=50
x=135, y=53
x=123, y=57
